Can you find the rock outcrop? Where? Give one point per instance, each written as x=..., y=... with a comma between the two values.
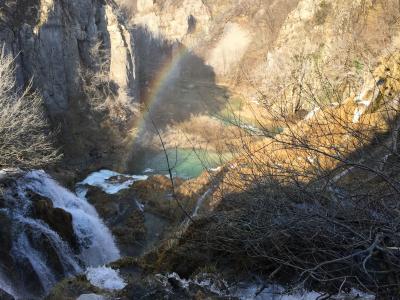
x=139, y=216
x=269, y=46
x=55, y=42
x=229, y=35
x=58, y=219
x=72, y=50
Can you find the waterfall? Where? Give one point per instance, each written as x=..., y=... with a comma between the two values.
x=200, y=202
x=98, y=244
x=39, y=255
x=5, y=285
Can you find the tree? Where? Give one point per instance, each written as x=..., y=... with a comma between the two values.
x=25, y=139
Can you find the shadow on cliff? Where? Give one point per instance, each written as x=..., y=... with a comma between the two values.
x=175, y=84
x=68, y=75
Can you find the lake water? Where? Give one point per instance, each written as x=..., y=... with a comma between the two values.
x=185, y=163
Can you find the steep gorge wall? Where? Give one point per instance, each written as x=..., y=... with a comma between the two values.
x=250, y=47
x=56, y=44
x=263, y=48
x=328, y=43
x=228, y=35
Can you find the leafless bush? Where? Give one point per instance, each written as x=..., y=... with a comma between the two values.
x=96, y=82
x=298, y=241
x=317, y=205
x=25, y=140
x=105, y=97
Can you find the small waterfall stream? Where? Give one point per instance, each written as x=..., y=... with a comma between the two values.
x=5, y=284
x=39, y=256
x=97, y=244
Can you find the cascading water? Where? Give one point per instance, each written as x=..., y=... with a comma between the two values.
x=5, y=284
x=98, y=246
x=40, y=257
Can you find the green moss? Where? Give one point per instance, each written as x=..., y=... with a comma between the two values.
x=71, y=288
x=359, y=66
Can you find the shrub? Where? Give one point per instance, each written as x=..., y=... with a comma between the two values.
x=25, y=139
x=316, y=206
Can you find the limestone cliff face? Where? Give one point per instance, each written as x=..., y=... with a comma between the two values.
x=57, y=44
x=268, y=45
x=340, y=39
x=228, y=35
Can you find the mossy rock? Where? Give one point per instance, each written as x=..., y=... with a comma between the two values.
x=58, y=219
x=72, y=288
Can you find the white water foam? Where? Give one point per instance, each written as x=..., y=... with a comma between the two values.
x=252, y=291
x=105, y=278
x=97, y=243
x=103, y=180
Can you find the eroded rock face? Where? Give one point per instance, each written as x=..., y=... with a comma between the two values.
x=174, y=20
x=59, y=42
x=54, y=43
x=267, y=47
x=140, y=215
x=122, y=214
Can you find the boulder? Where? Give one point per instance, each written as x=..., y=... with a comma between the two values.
x=58, y=219
x=123, y=216
x=108, y=206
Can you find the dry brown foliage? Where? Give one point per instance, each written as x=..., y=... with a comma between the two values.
x=316, y=206
x=25, y=139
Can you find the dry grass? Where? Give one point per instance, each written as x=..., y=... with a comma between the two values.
x=323, y=143
x=316, y=206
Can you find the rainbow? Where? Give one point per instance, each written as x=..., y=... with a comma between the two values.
x=159, y=83
x=151, y=98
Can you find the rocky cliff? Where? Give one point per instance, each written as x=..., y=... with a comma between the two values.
x=263, y=49
x=310, y=203
x=81, y=58
x=90, y=64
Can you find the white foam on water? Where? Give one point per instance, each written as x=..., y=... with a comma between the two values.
x=252, y=291
x=39, y=248
x=357, y=114
x=103, y=180
x=200, y=201
x=97, y=243
x=91, y=297
x=105, y=278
